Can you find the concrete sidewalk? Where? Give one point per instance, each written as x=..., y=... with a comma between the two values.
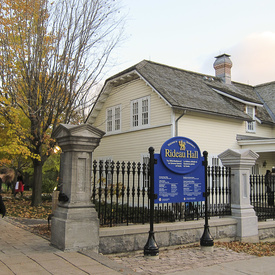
x=193, y=261
x=22, y=252
x=263, y=265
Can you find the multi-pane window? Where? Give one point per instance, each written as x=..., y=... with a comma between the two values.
x=106, y=173
x=145, y=160
x=251, y=125
x=140, y=111
x=145, y=111
x=117, y=118
x=215, y=161
x=109, y=120
x=255, y=169
x=113, y=123
x=135, y=114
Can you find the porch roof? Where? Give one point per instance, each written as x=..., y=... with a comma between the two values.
x=256, y=144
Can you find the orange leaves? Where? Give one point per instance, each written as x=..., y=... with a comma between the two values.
x=22, y=208
x=257, y=249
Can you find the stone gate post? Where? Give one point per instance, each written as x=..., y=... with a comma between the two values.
x=75, y=225
x=241, y=162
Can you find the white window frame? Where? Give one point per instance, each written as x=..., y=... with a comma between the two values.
x=250, y=125
x=140, y=114
x=113, y=119
x=213, y=160
x=108, y=176
x=145, y=158
x=255, y=169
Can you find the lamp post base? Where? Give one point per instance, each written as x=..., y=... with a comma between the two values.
x=206, y=241
x=151, y=248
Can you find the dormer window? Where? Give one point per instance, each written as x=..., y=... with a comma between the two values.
x=251, y=125
x=140, y=112
x=113, y=121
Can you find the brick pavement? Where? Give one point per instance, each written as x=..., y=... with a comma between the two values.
x=177, y=259
x=22, y=252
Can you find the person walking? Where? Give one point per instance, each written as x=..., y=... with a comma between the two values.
x=2, y=205
x=19, y=186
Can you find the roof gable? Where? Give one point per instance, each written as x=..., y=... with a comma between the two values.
x=266, y=93
x=188, y=90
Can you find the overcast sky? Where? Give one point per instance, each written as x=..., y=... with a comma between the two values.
x=189, y=34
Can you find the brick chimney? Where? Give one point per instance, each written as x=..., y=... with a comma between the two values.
x=222, y=67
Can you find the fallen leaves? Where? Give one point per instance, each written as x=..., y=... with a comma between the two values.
x=42, y=230
x=257, y=249
x=21, y=207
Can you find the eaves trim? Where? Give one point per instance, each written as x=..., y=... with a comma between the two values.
x=153, y=88
x=257, y=141
x=212, y=113
x=237, y=99
x=110, y=81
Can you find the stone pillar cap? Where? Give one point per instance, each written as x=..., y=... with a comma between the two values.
x=82, y=137
x=235, y=156
x=83, y=130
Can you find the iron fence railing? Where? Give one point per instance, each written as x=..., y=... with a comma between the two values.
x=120, y=192
x=262, y=196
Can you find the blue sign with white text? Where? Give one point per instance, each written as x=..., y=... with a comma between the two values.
x=179, y=172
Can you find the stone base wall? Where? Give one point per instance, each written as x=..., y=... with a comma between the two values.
x=266, y=230
x=134, y=237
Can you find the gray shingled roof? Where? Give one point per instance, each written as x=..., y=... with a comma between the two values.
x=198, y=92
x=188, y=90
x=266, y=93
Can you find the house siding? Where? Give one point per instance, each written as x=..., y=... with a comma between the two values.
x=213, y=135
x=265, y=131
x=216, y=134
x=210, y=113
x=131, y=144
x=160, y=112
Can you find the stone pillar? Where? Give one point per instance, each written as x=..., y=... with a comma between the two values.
x=241, y=162
x=75, y=225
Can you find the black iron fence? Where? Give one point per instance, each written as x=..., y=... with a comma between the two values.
x=120, y=192
x=262, y=196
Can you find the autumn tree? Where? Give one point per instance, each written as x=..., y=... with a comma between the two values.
x=52, y=53
x=14, y=152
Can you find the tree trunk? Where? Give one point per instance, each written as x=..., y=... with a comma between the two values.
x=37, y=183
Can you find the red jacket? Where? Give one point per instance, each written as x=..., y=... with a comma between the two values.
x=20, y=187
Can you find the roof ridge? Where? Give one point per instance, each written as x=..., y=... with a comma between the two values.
x=180, y=69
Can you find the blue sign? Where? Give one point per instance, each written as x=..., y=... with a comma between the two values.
x=180, y=155
x=179, y=172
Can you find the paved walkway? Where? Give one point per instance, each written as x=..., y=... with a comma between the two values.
x=22, y=252
x=193, y=261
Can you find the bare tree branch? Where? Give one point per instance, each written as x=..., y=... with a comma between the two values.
x=52, y=55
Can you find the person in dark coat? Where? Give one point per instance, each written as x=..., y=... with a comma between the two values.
x=2, y=205
x=269, y=187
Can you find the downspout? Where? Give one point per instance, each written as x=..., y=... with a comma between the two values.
x=176, y=122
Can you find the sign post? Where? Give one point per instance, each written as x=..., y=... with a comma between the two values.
x=151, y=247
x=206, y=240
x=178, y=174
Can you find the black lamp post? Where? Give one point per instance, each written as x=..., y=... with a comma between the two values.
x=151, y=247
x=206, y=240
